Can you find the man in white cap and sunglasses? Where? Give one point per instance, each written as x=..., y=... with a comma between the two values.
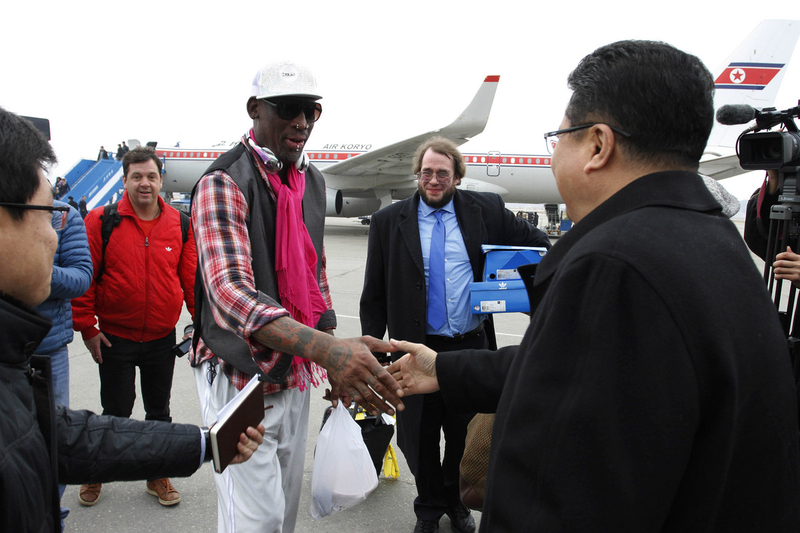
x=263, y=306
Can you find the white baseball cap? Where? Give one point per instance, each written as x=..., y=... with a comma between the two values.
x=284, y=78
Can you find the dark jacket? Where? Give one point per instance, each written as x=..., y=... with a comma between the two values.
x=90, y=448
x=652, y=390
x=72, y=275
x=395, y=296
x=238, y=163
x=757, y=221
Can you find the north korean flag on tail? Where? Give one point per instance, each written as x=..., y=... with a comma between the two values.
x=749, y=76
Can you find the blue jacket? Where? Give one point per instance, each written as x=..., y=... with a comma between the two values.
x=72, y=275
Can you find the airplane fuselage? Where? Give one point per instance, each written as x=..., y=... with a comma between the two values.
x=518, y=178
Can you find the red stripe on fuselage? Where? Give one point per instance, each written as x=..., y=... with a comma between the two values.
x=331, y=156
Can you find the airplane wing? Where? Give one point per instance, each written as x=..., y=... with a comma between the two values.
x=394, y=160
x=721, y=167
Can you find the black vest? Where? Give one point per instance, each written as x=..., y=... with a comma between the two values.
x=238, y=163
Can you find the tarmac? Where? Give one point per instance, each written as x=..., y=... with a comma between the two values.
x=126, y=507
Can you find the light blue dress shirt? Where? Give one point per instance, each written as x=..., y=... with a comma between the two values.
x=458, y=270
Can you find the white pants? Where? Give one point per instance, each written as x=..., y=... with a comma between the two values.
x=263, y=494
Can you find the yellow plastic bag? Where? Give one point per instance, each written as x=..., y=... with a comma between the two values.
x=390, y=468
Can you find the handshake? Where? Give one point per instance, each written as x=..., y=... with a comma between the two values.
x=414, y=373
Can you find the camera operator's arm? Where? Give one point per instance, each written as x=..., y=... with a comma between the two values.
x=756, y=225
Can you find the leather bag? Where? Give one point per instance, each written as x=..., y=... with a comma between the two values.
x=475, y=461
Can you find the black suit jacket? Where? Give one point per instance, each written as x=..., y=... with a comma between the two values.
x=395, y=296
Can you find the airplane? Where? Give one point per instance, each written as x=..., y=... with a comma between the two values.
x=361, y=180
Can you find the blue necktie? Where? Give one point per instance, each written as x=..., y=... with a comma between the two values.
x=437, y=311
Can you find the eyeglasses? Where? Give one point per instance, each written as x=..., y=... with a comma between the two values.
x=551, y=137
x=288, y=109
x=60, y=212
x=442, y=176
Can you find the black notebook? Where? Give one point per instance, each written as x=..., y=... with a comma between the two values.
x=245, y=409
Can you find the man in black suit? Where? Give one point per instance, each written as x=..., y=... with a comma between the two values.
x=653, y=389
x=82, y=207
x=397, y=295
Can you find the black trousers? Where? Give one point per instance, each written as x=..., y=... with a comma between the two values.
x=436, y=476
x=118, y=376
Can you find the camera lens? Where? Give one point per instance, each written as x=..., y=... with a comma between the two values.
x=771, y=150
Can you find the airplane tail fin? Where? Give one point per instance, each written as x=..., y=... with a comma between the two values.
x=753, y=73
x=472, y=120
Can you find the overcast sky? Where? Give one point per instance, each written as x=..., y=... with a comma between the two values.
x=170, y=71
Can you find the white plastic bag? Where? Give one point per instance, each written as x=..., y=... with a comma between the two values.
x=343, y=471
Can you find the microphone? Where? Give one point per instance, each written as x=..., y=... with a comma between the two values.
x=733, y=114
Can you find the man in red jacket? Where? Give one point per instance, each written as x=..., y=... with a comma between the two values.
x=140, y=282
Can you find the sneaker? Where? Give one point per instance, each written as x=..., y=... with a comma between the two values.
x=89, y=494
x=167, y=495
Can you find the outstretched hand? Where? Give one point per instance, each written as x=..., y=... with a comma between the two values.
x=356, y=376
x=248, y=443
x=415, y=372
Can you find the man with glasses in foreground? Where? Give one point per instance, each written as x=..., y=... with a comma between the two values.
x=72, y=275
x=42, y=444
x=422, y=255
x=653, y=389
x=263, y=305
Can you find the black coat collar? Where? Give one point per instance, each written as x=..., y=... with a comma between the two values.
x=678, y=189
x=22, y=329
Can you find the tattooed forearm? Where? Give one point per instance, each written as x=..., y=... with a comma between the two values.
x=289, y=336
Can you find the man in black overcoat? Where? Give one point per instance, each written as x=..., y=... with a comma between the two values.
x=397, y=295
x=653, y=389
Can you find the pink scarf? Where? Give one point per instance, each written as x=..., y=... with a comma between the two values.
x=295, y=262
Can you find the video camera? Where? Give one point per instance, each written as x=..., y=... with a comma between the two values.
x=777, y=150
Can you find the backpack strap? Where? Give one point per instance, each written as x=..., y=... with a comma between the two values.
x=186, y=221
x=109, y=220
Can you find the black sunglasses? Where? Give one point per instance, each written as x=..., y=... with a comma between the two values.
x=288, y=109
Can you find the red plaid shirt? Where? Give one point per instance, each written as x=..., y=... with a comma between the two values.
x=219, y=216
